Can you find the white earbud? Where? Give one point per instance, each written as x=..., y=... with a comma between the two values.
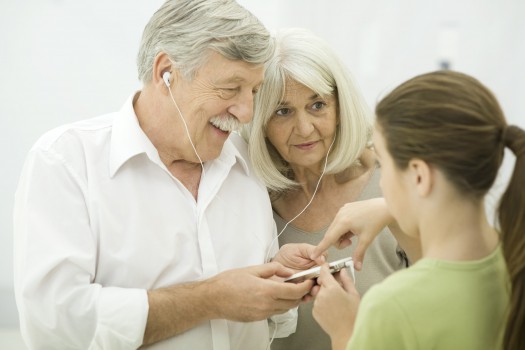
x=166, y=77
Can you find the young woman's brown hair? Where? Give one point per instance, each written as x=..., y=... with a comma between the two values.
x=461, y=130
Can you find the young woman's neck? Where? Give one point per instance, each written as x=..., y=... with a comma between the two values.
x=457, y=230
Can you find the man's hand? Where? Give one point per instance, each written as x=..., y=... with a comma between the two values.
x=246, y=294
x=251, y=294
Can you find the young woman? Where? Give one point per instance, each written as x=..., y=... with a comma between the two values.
x=440, y=139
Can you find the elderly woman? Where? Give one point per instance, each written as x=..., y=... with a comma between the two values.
x=308, y=142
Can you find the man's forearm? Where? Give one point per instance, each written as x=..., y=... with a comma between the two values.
x=174, y=310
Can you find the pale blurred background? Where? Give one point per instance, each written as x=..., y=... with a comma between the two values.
x=61, y=61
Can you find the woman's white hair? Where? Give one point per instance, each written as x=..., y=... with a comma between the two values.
x=187, y=30
x=309, y=60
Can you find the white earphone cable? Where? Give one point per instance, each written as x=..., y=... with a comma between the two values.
x=295, y=217
x=307, y=205
x=203, y=174
x=187, y=131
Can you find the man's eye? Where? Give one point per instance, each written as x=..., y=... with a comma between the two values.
x=227, y=93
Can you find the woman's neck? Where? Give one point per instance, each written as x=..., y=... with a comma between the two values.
x=310, y=178
x=334, y=191
x=460, y=232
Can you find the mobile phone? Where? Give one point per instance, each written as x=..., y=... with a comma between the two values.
x=314, y=272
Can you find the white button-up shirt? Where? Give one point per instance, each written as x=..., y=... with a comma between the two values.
x=99, y=220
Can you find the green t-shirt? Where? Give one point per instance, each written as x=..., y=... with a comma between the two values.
x=436, y=305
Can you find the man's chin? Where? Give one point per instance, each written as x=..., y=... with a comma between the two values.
x=212, y=153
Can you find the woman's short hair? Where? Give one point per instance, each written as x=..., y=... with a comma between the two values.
x=187, y=30
x=306, y=58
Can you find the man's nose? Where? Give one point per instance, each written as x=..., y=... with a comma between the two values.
x=243, y=107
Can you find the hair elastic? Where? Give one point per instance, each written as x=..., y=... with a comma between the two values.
x=514, y=139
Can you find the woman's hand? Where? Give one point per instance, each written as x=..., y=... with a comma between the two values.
x=296, y=256
x=364, y=219
x=335, y=306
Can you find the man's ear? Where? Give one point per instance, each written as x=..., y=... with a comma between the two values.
x=422, y=176
x=161, y=65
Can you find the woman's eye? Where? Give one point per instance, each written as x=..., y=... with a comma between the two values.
x=318, y=105
x=282, y=111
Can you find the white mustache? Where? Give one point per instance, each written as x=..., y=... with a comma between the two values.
x=228, y=124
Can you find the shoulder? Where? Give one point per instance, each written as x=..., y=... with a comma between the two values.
x=66, y=136
x=386, y=309
x=74, y=147
x=380, y=313
x=398, y=288
x=372, y=188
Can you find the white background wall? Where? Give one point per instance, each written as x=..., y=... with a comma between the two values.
x=65, y=60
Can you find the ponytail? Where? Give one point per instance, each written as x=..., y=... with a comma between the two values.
x=511, y=214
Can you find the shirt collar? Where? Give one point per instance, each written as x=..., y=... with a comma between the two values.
x=235, y=148
x=129, y=140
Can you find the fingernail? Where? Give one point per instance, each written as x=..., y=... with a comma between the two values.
x=358, y=265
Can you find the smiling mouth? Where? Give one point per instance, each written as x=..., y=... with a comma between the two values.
x=226, y=124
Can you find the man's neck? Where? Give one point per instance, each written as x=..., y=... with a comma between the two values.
x=189, y=174
x=161, y=131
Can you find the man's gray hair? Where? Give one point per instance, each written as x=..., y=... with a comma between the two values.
x=186, y=30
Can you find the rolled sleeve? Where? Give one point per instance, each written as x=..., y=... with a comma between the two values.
x=55, y=259
x=122, y=317
x=282, y=325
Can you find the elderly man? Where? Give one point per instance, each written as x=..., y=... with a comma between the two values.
x=146, y=226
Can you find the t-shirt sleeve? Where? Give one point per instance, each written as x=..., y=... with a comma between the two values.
x=381, y=324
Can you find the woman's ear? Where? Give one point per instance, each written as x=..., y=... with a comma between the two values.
x=422, y=176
